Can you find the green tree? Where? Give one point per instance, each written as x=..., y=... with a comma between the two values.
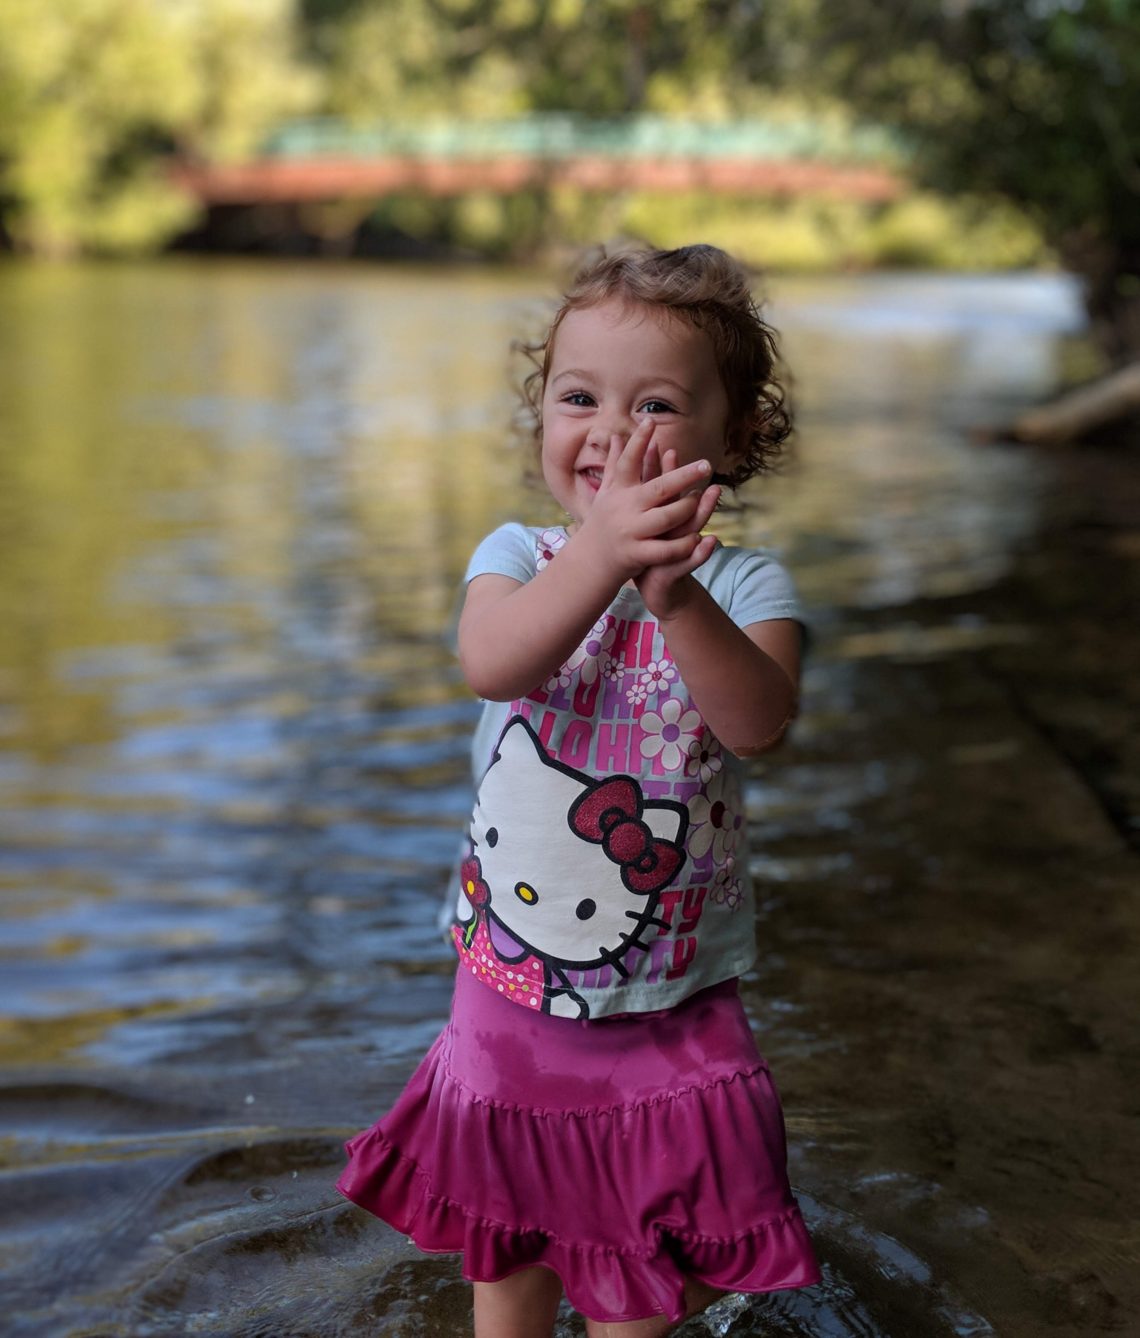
x=495, y=57
x=93, y=92
x=1036, y=101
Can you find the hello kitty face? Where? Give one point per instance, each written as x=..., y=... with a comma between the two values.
x=572, y=868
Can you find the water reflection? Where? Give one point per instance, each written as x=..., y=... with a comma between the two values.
x=236, y=503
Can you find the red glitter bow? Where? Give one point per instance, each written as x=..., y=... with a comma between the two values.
x=609, y=815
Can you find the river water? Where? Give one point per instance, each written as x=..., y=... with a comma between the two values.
x=235, y=503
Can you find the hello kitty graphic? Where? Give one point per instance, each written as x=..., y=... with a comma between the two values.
x=564, y=874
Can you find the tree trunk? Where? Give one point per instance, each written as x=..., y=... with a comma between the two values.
x=1076, y=414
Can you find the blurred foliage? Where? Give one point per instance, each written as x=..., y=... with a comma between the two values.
x=94, y=92
x=1032, y=101
x=1030, y=105
x=804, y=233
x=496, y=57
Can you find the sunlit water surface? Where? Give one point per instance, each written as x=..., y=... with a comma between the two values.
x=235, y=504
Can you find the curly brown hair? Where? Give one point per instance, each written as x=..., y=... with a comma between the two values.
x=706, y=287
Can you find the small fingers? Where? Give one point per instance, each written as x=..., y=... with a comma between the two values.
x=676, y=482
x=669, y=552
x=700, y=548
x=707, y=505
x=630, y=455
x=701, y=554
x=652, y=466
x=677, y=515
x=609, y=469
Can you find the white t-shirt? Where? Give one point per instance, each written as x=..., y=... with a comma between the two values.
x=607, y=870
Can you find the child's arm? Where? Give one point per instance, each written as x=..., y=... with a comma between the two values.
x=745, y=681
x=513, y=636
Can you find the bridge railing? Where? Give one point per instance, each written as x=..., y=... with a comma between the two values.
x=560, y=136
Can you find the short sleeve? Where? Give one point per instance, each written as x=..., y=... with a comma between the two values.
x=507, y=551
x=761, y=589
x=753, y=586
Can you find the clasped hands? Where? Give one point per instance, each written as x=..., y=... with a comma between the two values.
x=646, y=519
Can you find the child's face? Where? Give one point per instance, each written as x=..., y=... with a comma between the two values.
x=613, y=365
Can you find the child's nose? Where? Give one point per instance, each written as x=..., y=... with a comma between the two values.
x=607, y=426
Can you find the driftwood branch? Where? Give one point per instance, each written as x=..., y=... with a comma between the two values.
x=1108, y=400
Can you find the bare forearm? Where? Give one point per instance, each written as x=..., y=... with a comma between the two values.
x=509, y=646
x=512, y=636
x=746, y=698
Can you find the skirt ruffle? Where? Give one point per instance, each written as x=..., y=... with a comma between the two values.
x=622, y=1199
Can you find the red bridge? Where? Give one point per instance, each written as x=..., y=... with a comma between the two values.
x=329, y=160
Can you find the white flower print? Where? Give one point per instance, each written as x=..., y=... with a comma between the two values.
x=657, y=675
x=726, y=889
x=636, y=694
x=613, y=668
x=667, y=732
x=715, y=827
x=561, y=679
x=704, y=759
x=549, y=542
x=588, y=656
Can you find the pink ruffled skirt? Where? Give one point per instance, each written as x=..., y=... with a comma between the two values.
x=622, y=1153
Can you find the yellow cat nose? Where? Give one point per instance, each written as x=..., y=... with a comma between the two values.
x=526, y=893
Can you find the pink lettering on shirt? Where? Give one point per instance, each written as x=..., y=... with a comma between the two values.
x=586, y=697
x=684, y=950
x=613, y=748
x=575, y=746
x=692, y=902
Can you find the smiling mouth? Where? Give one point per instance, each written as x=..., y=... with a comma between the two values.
x=593, y=476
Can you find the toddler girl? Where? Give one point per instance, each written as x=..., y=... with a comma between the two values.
x=595, y=1118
